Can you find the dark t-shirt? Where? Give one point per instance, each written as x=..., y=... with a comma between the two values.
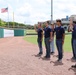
x=47, y=31
x=59, y=32
x=39, y=31
x=74, y=32
x=53, y=32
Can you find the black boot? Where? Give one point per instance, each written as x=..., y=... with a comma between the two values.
x=74, y=66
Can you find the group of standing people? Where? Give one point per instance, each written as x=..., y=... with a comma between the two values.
x=72, y=28
x=49, y=32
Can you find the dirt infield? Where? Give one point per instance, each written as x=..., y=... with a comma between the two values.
x=18, y=57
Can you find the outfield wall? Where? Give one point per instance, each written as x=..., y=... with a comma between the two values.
x=8, y=33
x=11, y=32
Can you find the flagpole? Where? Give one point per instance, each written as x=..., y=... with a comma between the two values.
x=13, y=19
x=0, y=21
x=8, y=18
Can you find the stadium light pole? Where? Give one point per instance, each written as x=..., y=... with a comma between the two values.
x=51, y=11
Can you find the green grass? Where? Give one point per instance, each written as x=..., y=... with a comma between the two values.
x=30, y=31
x=31, y=39
x=67, y=42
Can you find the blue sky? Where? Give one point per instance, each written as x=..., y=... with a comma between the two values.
x=32, y=11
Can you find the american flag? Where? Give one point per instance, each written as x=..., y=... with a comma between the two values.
x=3, y=10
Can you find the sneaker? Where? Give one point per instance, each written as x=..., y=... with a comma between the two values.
x=73, y=66
x=52, y=52
x=40, y=53
x=73, y=58
x=46, y=56
x=59, y=60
